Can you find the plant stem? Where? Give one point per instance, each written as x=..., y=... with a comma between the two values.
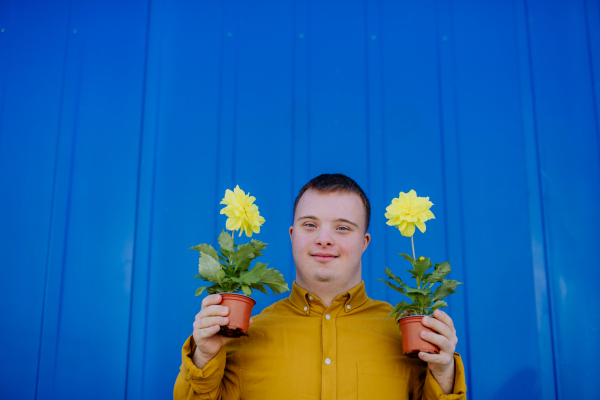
x=413, y=246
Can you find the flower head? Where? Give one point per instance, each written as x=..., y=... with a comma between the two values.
x=408, y=210
x=243, y=215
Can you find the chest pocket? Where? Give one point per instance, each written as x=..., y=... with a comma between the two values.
x=386, y=379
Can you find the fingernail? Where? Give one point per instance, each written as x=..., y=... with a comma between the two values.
x=423, y=334
x=425, y=320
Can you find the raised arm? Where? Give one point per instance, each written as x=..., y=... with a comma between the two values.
x=204, y=373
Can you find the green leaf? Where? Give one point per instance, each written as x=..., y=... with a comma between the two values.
x=396, y=288
x=210, y=269
x=200, y=290
x=242, y=256
x=252, y=276
x=439, y=272
x=274, y=280
x=247, y=290
x=215, y=289
x=424, y=301
x=436, y=305
x=400, y=308
x=199, y=276
x=392, y=276
x=410, y=290
x=407, y=257
x=445, y=289
x=259, y=286
x=208, y=249
x=420, y=266
x=226, y=242
x=258, y=245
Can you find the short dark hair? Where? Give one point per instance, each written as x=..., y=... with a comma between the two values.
x=334, y=183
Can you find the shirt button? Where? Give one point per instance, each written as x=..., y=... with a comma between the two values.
x=327, y=316
x=305, y=308
x=327, y=361
x=348, y=306
x=310, y=297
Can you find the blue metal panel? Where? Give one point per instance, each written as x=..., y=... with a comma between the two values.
x=569, y=168
x=494, y=209
x=133, y=120
x=179, y=187
x=85, y=332
x=31, y=60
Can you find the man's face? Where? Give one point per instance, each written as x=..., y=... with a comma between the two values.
x=328, y=239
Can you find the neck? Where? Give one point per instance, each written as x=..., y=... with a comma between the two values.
x=327, y=291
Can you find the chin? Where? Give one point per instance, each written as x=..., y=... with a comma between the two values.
x=325, y=276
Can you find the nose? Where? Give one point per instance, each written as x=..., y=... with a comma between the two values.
x=324, y=238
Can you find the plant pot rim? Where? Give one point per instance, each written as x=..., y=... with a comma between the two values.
x=409, y=316
x=240, y=294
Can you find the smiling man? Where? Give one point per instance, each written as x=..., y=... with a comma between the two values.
x=328, y=340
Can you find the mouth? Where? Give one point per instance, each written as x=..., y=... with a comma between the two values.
x=323, y=256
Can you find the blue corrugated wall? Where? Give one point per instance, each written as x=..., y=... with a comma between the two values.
x=123, y=122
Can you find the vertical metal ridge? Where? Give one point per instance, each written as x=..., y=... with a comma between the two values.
x=442, y=132
x=236, y=63
x=448, y=92
x=540, y=202
x=536, y=208
x=382, y=120
x=219, y=115
x=137, y=197
x=67, y=219
x=5, y=80
x=293, y=102
x=592, y=75
x=367, y=119
x=308, y=48
x=52, y=205
x=150, y=240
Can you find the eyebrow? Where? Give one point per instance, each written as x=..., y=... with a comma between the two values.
x=335, y=220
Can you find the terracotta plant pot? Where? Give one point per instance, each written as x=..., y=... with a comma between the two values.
x=240, y=310
x=412, y=343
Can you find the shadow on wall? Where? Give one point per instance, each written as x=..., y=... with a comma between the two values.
x=522, y=385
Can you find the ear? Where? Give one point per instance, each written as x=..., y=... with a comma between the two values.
x=367, y=241
x=291, y=229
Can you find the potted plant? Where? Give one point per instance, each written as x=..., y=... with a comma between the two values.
x=229, y=269
x=406, y=212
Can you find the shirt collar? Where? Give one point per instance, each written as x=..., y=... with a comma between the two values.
x=353, y=299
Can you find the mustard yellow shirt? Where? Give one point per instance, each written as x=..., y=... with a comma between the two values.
x=299, y=349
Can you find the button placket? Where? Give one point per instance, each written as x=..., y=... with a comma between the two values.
x=329, y=340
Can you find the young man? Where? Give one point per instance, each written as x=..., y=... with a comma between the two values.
x=328, y=340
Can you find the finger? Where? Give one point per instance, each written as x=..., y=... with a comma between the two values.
x=210, y=321
x=213, y=310
x=440, y=341
x=210, y=300
x=441, y=359
x=438, y=326
x=207, y=332
x=445, y=318
x=251, y=321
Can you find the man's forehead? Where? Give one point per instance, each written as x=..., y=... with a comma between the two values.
x=338, y=204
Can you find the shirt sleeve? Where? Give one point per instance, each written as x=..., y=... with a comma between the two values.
x=218, y=380
x=426, y=387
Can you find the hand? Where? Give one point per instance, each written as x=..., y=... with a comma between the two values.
x=441, y=365
x=208, y=322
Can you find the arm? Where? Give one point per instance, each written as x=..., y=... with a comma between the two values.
x=205, y=373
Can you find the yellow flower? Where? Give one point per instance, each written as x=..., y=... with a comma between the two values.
x=408, y=210
x=243, y=215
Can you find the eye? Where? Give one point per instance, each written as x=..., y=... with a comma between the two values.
x=310, y=225
x=345, y=228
